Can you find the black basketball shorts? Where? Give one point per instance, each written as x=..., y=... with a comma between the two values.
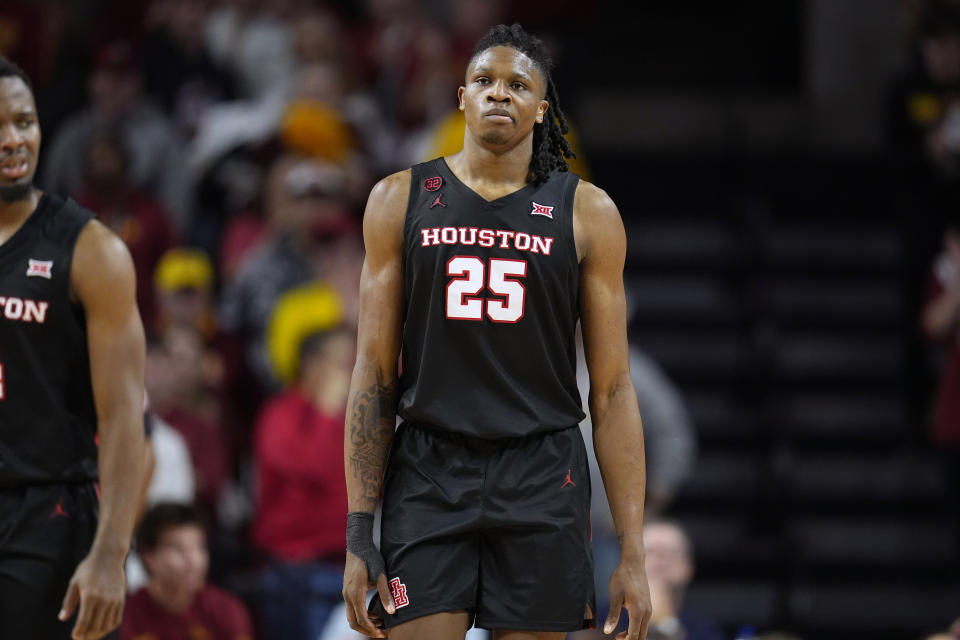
x=497, y=528
x=45, y=531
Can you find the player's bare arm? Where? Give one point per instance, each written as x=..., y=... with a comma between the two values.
x=617, y=430
x=103, y=282
x=374, y=386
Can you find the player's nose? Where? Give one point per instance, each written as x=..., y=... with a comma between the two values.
x=498, y=92
x=11, y=138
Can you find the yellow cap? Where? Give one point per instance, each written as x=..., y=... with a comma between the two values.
x=183, y=268
x=297, y=314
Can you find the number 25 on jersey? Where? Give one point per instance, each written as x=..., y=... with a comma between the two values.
x=470, y=274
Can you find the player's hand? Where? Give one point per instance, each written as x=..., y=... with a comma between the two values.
x=356, y=585
x=98, y=586
x=629, y=589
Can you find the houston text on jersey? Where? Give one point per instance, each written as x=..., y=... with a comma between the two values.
x=22, y=310
x=468, y=236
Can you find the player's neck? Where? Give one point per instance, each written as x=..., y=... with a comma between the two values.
x=478, y=164
x=14, y=214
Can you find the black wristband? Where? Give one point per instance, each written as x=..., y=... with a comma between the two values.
x=360, y=543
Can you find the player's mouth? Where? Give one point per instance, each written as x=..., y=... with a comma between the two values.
x=14, y=168
x=498, y=115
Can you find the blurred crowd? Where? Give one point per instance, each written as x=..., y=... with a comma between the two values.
x=231, y=144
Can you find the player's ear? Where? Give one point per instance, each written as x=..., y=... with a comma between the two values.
x=542, y=110
x=460, y=91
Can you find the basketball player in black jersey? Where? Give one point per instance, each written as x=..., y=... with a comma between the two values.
x=478, y=267
x=71, y=372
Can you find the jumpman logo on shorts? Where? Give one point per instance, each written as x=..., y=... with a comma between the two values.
x=438, y=202
x=568, y=480
x=59, y=512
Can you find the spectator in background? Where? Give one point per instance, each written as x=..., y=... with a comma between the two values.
x=183, y=281
x=156, y=160
x=254, y=40
x=177, y=601
x=131, y=213
x=940, y=323
x=307, y=217
x=180, y=381
x=172, y=480
x=179, y=73
x=925, y=112
x=670, y=569
x=670, y=443
x=301, y=511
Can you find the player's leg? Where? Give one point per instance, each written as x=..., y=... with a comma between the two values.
x=536, y=566
x=449, y=625
x=48, y=536
x=528, y=635
x=430, y=533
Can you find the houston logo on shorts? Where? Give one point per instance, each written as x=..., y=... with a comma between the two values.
x=399, y=592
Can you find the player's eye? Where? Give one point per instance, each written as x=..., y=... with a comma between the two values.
x=518, y=86
x=482, y=80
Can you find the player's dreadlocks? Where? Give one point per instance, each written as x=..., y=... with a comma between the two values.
x=8, y=68
x=550, y=148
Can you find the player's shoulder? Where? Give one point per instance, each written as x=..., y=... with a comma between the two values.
x=394, y=188
x=594, y=201
x=387, y=204
x=100, y=258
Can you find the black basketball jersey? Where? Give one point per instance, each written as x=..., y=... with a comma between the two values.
x=491, y=296
x=48, y=420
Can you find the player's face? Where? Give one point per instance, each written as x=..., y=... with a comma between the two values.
x=19, y=139
x=503, y=97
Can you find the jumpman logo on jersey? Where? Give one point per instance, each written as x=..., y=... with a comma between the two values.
x=438, y=202
x=568, y=480
x=58, y=511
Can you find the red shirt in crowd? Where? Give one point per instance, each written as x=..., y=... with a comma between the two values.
x=302, y=493
x=214, y=615
x=946, y=417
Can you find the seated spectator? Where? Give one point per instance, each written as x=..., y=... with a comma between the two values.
x=307, y=216
x=670, y=570
x=940, y=323
x=302, y=507
x=301, y=511
x=178, y=379
x=156, y=161
x=183, y=281
x=171, y=480
x=134, y=215
x=179, y=73
x=177, y=601
x=671, y=449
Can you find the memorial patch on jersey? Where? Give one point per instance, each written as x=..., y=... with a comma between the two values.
x=399, y=592
x=40, y=268
x=542, y=210
x=433, y=184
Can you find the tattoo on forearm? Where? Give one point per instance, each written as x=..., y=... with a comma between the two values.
x=620, y=539
x=371, y=430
